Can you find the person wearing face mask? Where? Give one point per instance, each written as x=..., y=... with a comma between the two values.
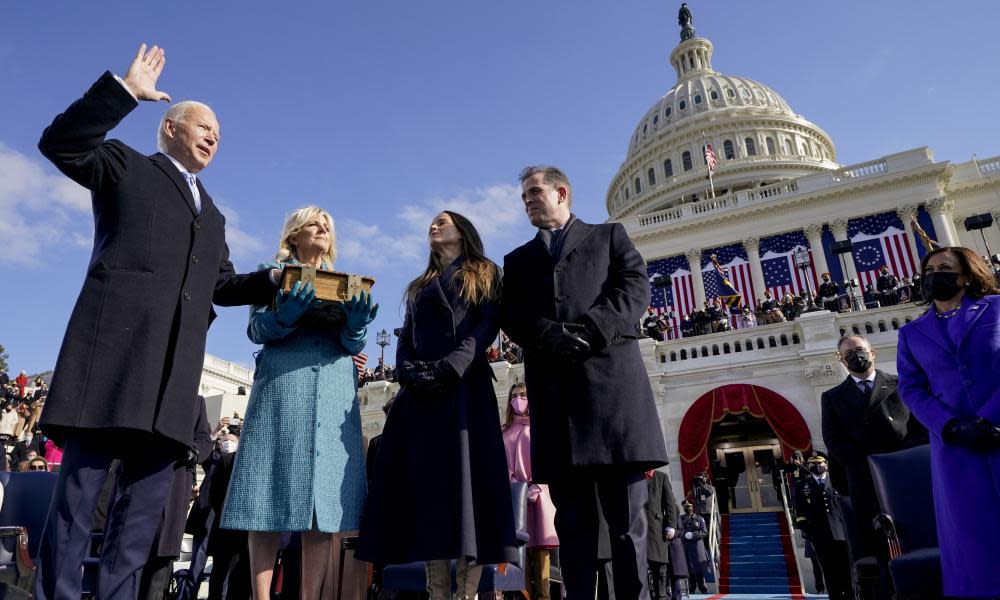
x=863, y=415
x=812, y=515
x=948, y=361
x=828, y=292
x=542, y=538
x=694, y=529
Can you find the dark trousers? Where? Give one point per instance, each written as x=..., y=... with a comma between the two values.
x=582, y=498
x=832, y=555
x=155, y=578
x=131, y=525
x=658, y=582
x=230, y=579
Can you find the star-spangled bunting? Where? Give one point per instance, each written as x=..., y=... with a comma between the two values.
x=678, y=296
x=733, y=260
x=880, y=240
x=777, y=261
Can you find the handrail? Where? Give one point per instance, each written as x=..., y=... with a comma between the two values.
x=715, y=540
x=791, y=525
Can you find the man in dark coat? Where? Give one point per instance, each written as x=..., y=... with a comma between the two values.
x=812, y=516
x=573, y=299
x=887, y=284
x=828, y=292
x=127, y=373
x=694, y=531
x=864, y=415
x=664, y=549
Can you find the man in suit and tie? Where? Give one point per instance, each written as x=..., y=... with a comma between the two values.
x=862, y=416
x=125, y=383
x=573, y=299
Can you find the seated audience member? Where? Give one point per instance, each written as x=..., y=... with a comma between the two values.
x=35, y=463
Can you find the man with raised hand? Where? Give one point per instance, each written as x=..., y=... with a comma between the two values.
x=126, y=380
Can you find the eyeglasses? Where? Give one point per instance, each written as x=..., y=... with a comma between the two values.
x=37, y=468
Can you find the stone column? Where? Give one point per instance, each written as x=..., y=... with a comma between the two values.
x=941, y=215
x=814, y=235
x=694, y=262
x=839, y=230
x=908, y=213
x=752, y=246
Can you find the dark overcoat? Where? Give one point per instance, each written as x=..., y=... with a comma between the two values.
x=939, y=380
x=661, y=513
x=855, y=427
x=439, y=488
x=600, y=411
x=134, y=347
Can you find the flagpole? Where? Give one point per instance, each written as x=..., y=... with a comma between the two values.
x=704, y=156
x=711, y=184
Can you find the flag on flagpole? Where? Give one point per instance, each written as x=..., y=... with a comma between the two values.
x=727, y=293
x=710, y=158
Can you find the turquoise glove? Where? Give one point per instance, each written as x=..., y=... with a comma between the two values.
x=359, y=312
x=293, y=304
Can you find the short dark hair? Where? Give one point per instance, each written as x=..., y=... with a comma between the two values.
x=553, y=176
x=843, y=339
x=982, y=280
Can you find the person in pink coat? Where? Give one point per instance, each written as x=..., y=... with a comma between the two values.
x=541, y=511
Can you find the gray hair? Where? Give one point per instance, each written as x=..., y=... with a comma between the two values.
x=553, y=176
x=176, y=114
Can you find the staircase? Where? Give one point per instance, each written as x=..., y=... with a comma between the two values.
x=757, y=555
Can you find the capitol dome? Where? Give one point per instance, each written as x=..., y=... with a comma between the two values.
x=756, y=136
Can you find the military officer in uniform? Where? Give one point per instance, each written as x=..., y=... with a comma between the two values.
x=651, y=324
x=694, y=529
x=812, y=516
x=828, y=292
x=887, y=284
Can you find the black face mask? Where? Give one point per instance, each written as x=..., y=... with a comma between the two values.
x=817, y=469
x=858, y=361
x=941, y=285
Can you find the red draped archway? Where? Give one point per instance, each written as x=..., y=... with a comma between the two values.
x=712, y=407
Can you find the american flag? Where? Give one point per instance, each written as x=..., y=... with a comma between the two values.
x=733, y=260
x=777, y=261
x=360, y=360
x=880, y=240
x=678, y=297
x=710, y=158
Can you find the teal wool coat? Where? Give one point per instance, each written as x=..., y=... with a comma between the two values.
x=300, y=462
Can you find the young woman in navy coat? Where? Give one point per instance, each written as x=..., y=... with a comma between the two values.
x=440, y=490
x=949, y=376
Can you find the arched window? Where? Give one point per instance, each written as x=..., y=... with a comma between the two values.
x=697, y=98
x=728, y=150
x=656, y=119
x=686, y=159
x=751, y=148
x=683, y=104
x=667, y=112
x=789, y=149
x=638, y=186
x=626, y=192
x=770, y=146
x=715, y=95
x=651, y=176
x=668, y=168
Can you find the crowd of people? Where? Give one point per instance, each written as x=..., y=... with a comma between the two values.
x=25, y=447
x=438, y=488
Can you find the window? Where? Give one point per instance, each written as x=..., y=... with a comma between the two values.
x=715, y=95
x=697, y=98
x=686, y=159
x=668, y=111
x=751, y=148
x=668, y=168
x=730, y=92
x=770, y=146
x=626, y=192
x=644, y=126
x=683, y=104
x=656, y=119
x=788, y=147
x=651, y=176
x=727, y=149
x=638, y=186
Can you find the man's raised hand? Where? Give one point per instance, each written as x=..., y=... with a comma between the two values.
x=143, y=73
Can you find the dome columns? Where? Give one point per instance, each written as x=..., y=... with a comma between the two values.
x=814, y=235
x=697, y=281
x=839, y=230
x=752, y=246
x=908, y=214
x=940, y=210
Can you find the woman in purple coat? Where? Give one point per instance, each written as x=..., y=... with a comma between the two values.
x=949, y=376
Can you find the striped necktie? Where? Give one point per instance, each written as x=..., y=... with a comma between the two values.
x=193, y=184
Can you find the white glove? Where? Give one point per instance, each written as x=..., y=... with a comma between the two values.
x=689, y=536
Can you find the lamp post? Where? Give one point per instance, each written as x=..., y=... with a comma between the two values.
x=803, y=262
x=382, y=339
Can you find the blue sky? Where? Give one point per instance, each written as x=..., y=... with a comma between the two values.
x=386, y=112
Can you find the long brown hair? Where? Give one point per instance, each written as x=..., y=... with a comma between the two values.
x=982, y=280
x=477, y=279
x=508, y=417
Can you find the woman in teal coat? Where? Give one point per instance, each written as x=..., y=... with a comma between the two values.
x=300, y=464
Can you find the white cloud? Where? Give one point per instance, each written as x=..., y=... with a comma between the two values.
x=496, y=211
x=41, y=210
x=242, y=245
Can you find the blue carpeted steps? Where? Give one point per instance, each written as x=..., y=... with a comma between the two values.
x=754, y=560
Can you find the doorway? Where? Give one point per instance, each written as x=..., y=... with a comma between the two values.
x=753, y=476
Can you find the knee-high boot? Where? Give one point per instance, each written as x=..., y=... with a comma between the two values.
x=466, y=579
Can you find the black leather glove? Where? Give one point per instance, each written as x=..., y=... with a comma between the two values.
x=427, y=376
x=566, y=341
x=974, y=433
x=406, y=373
